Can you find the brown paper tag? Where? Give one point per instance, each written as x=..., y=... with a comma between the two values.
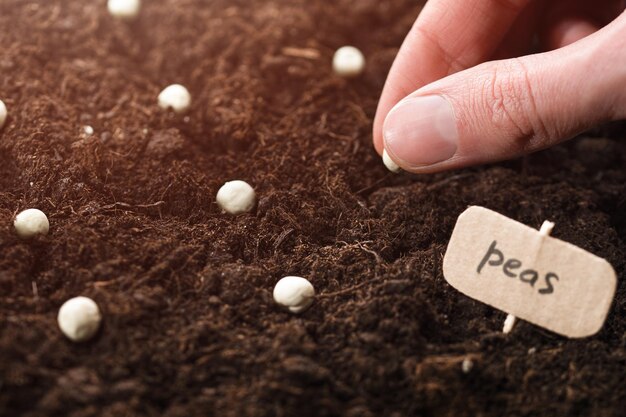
x=540, y=279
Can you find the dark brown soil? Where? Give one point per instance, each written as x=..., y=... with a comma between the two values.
x=190, y=327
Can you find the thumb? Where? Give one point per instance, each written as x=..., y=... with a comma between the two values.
x=503, y=109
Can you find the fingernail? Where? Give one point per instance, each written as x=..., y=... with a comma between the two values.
x=421, y=131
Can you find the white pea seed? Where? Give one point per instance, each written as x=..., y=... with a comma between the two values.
x=3, y=114
x=30, y=223
x=467, y=365
x=88, y=130
x=124, y=9
x=348, y=62
x=79, y=319
x=509, y=323
x=176, y=97
x=391, y=166
x=236, y=197
x=294, y=293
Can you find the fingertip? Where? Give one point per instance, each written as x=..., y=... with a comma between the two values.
x=394, y=90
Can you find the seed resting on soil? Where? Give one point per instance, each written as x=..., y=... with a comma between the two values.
x=3, y=114
x=236, y=197
x=294, y=293
x=348, y=62
x=124, y=9
x=79, y=318
x=175, y=97
x=30, y=223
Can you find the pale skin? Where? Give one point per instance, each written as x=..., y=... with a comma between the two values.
x=478, y=81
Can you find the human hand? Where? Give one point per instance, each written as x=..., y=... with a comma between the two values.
x=444, y=106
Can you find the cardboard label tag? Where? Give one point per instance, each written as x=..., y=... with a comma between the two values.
x=538, y=278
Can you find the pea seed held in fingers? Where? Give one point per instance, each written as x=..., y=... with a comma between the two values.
x=391, y=166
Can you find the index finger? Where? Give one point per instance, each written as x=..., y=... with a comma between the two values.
x=447, y=37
